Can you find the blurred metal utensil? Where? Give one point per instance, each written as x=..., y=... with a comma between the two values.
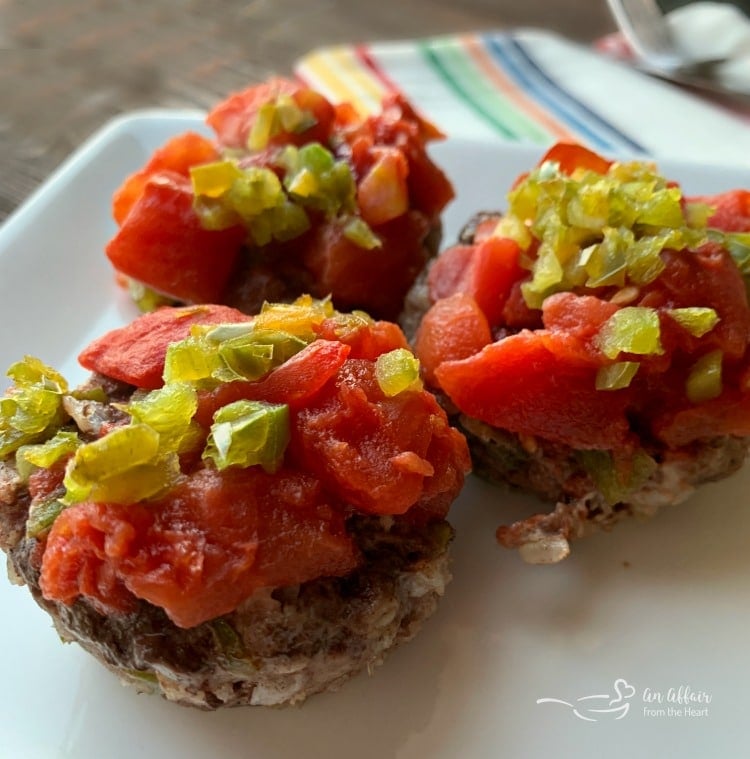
x=647, y=31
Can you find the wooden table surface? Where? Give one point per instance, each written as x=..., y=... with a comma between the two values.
x=68, y=66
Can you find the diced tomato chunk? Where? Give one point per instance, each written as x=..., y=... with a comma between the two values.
x=454, y=328
x=203, y=549
x=135, y=353
x=573, y=322
x=295, y=382
x=516, y=313
x=178, y=155
x=430, y=189
x=400, y=127
x=447, y=275
x=44, y=481
x=572, y=157
x=519, y=384
x=485, y=228
x=366, y=341
x=382, y=194
x=375, y=451
x=729, y=414
x=486, y=272
x=379, y=278
x=731, y=210
x=233, y=118
x=707, y=277
x=163, y=245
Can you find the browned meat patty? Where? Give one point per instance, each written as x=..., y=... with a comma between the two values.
x=556, y=473
x=282, y=644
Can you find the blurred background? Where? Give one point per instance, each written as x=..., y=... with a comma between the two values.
x=68, y=66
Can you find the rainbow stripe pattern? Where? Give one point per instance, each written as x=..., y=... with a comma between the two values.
x=526, y=86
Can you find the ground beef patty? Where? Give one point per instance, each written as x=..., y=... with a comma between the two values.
x=320, y=547
x=281, y=645
x=556, y=472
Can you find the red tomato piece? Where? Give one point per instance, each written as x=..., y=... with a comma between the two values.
x=454, y=328
x=706, y=277
x=162, y=244
x=486, y=228
x=400, y=127
x=486, y=272
x=366, y=341
x=379, y=278
x=44, y=481
x=202, y=550
x=233, y=118
x=448, y=273
x=516, y=314
x=731, y=210
x=374, y=452
x=574, y=322
x=430, y=189
x=572, y=157
x=295, y=382
x=519, y=384
x=178, y=155
x=323, y=114
x=135, y=353
x=729, y=414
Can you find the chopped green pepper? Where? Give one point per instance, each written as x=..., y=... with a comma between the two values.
x=246, y=433
x=397, y=371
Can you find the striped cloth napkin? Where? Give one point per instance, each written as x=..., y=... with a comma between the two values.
x=535, y=87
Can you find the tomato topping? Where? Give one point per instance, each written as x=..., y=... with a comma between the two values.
x=727, y=415
x=232, y=119
x=398, y=125
x=44, y=482
x=380, y=277
x=633, y=310
x=572, y=157
x=373, y=449
x=135, y=353
x=707, y=277
x=454, y=328
x=382, y=193
x=519, y=384
x=163, y=245
x=201, y=550
x=295, y=195
x=574, y=322
x=485, y=271
x=218, y=485
x=365, y=340
x=178, y=155
x=295, y=382
x=731, y=210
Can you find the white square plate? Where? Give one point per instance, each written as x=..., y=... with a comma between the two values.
x=664, y=606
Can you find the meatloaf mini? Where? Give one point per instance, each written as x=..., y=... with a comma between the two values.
x=293, y=195
x=232, y=510
x=592, y=343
